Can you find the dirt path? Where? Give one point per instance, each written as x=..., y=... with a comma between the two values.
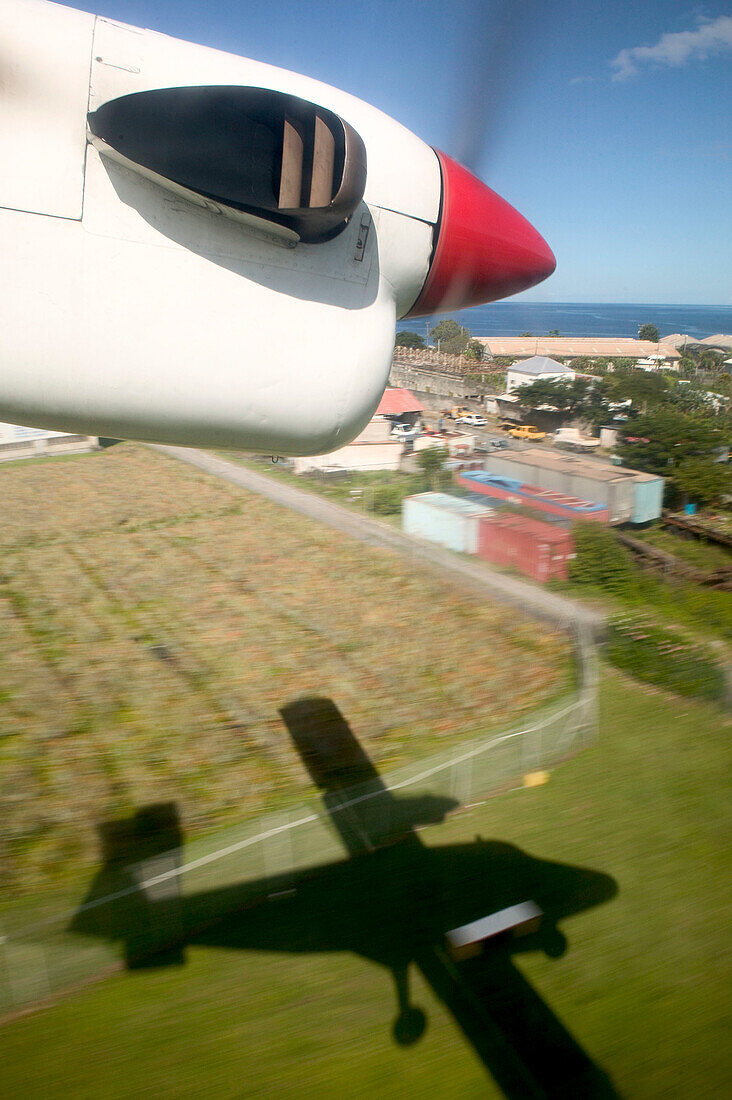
x=477, y=576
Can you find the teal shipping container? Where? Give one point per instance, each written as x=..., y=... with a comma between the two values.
x=444, y=519
x=647, y=498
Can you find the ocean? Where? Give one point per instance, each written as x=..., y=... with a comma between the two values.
x=583, y=319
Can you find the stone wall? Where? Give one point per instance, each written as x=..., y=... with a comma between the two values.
x=435, y=372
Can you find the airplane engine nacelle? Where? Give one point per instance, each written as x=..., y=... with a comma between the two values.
x=206, y=250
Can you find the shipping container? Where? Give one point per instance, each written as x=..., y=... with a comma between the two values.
x=446, y=520
x=581, y=476
x=510, y=508
x=511, y=491
x=647, y=498
x=538, y=550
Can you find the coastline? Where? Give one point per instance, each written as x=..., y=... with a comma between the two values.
x=601, y=319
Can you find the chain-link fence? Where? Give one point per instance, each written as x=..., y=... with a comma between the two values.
x=137, y=908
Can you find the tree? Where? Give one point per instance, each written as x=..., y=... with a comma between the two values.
x=648, y=332
x=582, y=397
x=704, y=481
x=690, y=398
x=711, y=360
x=407, y=339
x=446, y=330
x=526, y=334
x=430, y=462
x=474, y=350
x=623, y=364
x=451, y=337
x=680, y=447
x=553, y=332
x=642, y=387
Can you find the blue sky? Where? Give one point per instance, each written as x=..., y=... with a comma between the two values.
x=606, y=124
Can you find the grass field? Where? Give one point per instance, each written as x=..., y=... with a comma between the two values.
x=643, y=986
x=154, y=620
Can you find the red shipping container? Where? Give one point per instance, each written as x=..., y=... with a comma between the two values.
x=536, y=549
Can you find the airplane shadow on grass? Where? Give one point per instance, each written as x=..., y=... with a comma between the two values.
x=393, y=901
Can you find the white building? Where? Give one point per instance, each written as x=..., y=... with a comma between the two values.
x=526, y=371
x=20, y=442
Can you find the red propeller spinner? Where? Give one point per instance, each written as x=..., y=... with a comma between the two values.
x=484, y=248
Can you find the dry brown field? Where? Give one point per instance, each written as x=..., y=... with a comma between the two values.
x=154, y=620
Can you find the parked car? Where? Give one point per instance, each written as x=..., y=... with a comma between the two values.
x=473, y=419
x=527, y=431
x=404, y=431
x=572, y=437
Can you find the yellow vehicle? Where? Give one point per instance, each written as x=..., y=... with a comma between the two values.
x=527, y=431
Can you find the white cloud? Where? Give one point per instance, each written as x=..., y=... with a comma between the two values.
x=712, y=36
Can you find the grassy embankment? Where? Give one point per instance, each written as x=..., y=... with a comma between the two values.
x=642, y=986
x=155, y=620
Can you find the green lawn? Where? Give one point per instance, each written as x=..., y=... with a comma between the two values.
x=642, y=985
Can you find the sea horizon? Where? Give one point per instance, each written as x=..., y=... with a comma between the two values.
x=600, y=319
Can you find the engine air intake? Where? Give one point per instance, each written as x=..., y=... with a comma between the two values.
x=273, y=156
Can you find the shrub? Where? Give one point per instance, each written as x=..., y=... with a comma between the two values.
x=387, y=500
x=600, y=561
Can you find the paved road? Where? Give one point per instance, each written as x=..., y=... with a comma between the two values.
x=474, y=575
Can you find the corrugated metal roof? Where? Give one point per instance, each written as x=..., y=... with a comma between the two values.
x=623, y=346
x=397, y=401
x=575, y=464
x=540, y=364
x=719, y=340
x=531, y=492
x=452, y=504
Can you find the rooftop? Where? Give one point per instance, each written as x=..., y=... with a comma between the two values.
x=540, y=364
x=572, y=463
x=449, y=503
x=397, y=401
x=534, y=527
x=567, y=346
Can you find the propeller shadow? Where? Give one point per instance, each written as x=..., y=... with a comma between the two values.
x=393, y=901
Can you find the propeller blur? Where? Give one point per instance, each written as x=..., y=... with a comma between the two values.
x=205, y=250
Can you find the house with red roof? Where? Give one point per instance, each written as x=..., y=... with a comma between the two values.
x=399, y=404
